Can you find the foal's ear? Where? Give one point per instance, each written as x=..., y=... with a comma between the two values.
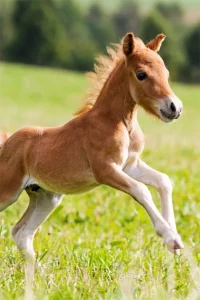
x=128, y=44
x=156, y=43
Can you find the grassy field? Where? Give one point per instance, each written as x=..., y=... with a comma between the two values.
x=101, y=245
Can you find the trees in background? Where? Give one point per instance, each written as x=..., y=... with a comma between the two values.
x=61, y=34
x=160, y=20
x=6, y=28
x=172, y=12
x=81, y=46
x=127, y=18
x=100, y=27
x=192, y=45
x=38, y=35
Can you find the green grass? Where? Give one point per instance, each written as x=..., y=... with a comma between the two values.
x=101, y=245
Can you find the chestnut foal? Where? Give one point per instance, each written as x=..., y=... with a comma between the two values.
x=102, y=145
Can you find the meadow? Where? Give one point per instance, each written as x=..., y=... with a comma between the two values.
x=101, y=245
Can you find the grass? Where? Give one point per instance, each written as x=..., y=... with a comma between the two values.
x=101, y=245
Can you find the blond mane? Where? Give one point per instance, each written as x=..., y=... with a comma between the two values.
x=102, y=69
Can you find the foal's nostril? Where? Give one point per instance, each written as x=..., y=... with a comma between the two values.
x=173, y=107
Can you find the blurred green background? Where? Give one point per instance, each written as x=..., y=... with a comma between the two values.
x=70, y=33
x=101, y=245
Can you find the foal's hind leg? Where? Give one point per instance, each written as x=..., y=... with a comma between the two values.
x=41, y=205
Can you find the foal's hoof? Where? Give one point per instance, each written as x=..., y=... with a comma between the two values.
x=174, y=245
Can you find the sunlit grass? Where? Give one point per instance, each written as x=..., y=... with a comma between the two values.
x=101, y=245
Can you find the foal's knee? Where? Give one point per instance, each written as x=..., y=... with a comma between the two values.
x=165, y=184
x=143, y=195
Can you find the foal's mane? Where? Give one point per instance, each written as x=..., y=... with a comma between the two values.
x=102, y=69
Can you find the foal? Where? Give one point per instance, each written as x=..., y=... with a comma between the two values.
x=102, y=145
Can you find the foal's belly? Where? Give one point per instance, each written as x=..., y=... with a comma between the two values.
x=67, y=185
x=74, y=187
x=78, y=181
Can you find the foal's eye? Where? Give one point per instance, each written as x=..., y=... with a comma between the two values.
x=141, y=75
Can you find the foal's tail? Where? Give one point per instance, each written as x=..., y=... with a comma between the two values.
x=3, y=137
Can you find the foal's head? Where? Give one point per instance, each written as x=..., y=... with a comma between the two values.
x=148, y=78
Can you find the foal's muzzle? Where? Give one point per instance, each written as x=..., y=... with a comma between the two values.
x=170, y=109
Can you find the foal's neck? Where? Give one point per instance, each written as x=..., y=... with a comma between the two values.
x=115, y=99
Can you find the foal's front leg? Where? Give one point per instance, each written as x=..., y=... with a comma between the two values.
x=145, y=174
x=113, y=176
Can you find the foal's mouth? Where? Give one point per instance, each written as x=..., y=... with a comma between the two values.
x=167, y=116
